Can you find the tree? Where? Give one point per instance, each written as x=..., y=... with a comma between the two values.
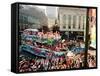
x=55, y=28
x=45, y=29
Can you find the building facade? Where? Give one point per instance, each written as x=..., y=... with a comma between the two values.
x=72, y=20
x=92, y=27
x=31, y=17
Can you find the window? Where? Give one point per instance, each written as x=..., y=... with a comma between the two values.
x=69, y=21
x=79, y=22
x=64, y=27
x=64, y=20
x=74, y=21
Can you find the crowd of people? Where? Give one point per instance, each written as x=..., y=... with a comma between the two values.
x=59, y=45
x=61, y=63
x=91, y=61
x=53, y=41
x=42, y=64
x=50, y=35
